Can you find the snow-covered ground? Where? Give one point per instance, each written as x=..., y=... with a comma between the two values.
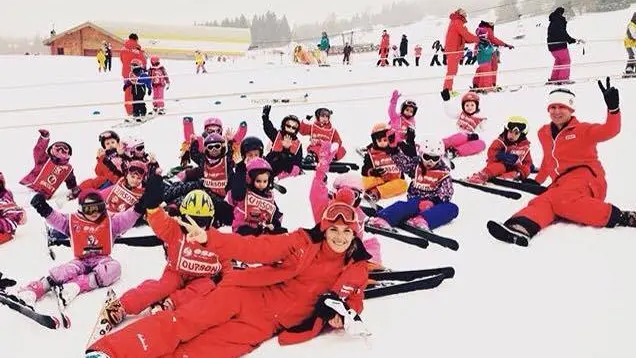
x=570, y=294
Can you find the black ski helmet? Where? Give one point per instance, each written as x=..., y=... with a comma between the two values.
x=292, y=118
x=251, y=143
x=409, y=103
x=107, y=135
x=323, y=110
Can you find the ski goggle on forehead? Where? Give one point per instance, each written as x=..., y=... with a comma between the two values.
x=140, y=148
x=137, y=170
x=340, y=211
x=213, y=128
x=93, y=208
x=61, y=148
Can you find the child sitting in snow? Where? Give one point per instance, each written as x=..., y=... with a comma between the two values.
x=135, y=149
x=318, y=131
x=210, y=126
x=255, y=211
x=429, y=193
x=286, y=154
x=400, y=122
x=110, y=161
x=52, y=168
x=381, y=177
x=469, y=122
x=11, y=215
x=509, y=155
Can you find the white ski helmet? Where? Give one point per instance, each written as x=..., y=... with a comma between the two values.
x=349, y=180
x=432, y=146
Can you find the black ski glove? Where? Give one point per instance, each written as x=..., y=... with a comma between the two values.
x=610, y=94
x=6, y=283
x=38, y=202
x=149, y=91
x=266, y=109
x=153, y=195
x=377, y=172
x=322, y=310
x=410, y=136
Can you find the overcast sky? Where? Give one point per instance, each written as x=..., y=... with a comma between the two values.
x=28, y=17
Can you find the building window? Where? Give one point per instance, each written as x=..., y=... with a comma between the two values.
x=60, y=50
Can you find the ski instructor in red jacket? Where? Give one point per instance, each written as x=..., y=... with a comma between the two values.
x=305, y=273
x=578, y=188
x=456, y=36
x=129, y=52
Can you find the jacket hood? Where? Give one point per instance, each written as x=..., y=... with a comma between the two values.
x=557, y=14
x=486, y=25
x=131, y=44
x=456, y=16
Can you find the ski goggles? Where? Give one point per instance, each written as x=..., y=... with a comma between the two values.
x=292, y=127
x=93, y=208
x=212, y=146
x=340, y=211
x=60, y=148
x=516, y=128
x=139, y=148
x=137, y=170
x=431, y=158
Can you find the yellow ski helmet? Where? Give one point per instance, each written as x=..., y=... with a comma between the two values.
x=197, y=204
x=517, y=122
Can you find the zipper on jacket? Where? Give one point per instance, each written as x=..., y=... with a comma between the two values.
x=556, y=168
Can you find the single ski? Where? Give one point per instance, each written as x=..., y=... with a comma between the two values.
x=416, y=241
x=424, y=234
x=383, y=288
x=103, y=326
x=410, y=275
x=130, y=122
x=519, y=185
x=502, y=233
x=281, y=189
x=485, y=188
x=137, y=241
x=300, y=99
x=351, y=165
x=19, y=306
x=66, y=321
x=332, y=168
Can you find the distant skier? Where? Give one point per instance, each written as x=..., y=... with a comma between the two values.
x=160, y=82
x=347, y=54
x=558, y=40
x=199, y=61
x=384, y=50
x=630, y=47
x=456, y=36
x=324, y=47
x=131, y=51
x=418, y=54
x=138, y=81
x=437, y=46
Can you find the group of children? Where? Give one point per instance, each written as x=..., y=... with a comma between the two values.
x=153, y=81
x=227, y=179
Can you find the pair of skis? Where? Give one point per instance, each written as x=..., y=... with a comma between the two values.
x=523, y=186
x=387, y=283
x=17, y=305
x=420, y=239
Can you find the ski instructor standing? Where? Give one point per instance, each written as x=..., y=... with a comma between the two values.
x=131, y=50
x=578, y=188
x=456, y=36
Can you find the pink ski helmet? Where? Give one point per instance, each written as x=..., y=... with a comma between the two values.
x=154, y=59
x=60, y=152
x=256, y=167
x=213, y=121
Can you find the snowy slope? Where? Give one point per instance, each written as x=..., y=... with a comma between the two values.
x=569, y=295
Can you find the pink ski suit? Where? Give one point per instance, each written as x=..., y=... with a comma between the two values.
x=397, y=121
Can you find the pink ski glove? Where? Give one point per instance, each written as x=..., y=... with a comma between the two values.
x=395, y=96
x=325, y=155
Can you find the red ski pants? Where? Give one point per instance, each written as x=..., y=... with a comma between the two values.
x=452, y=65
x=150, y=291
x=128, y=97
x=93, y=183
x=577, y=196
x=227, y=322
